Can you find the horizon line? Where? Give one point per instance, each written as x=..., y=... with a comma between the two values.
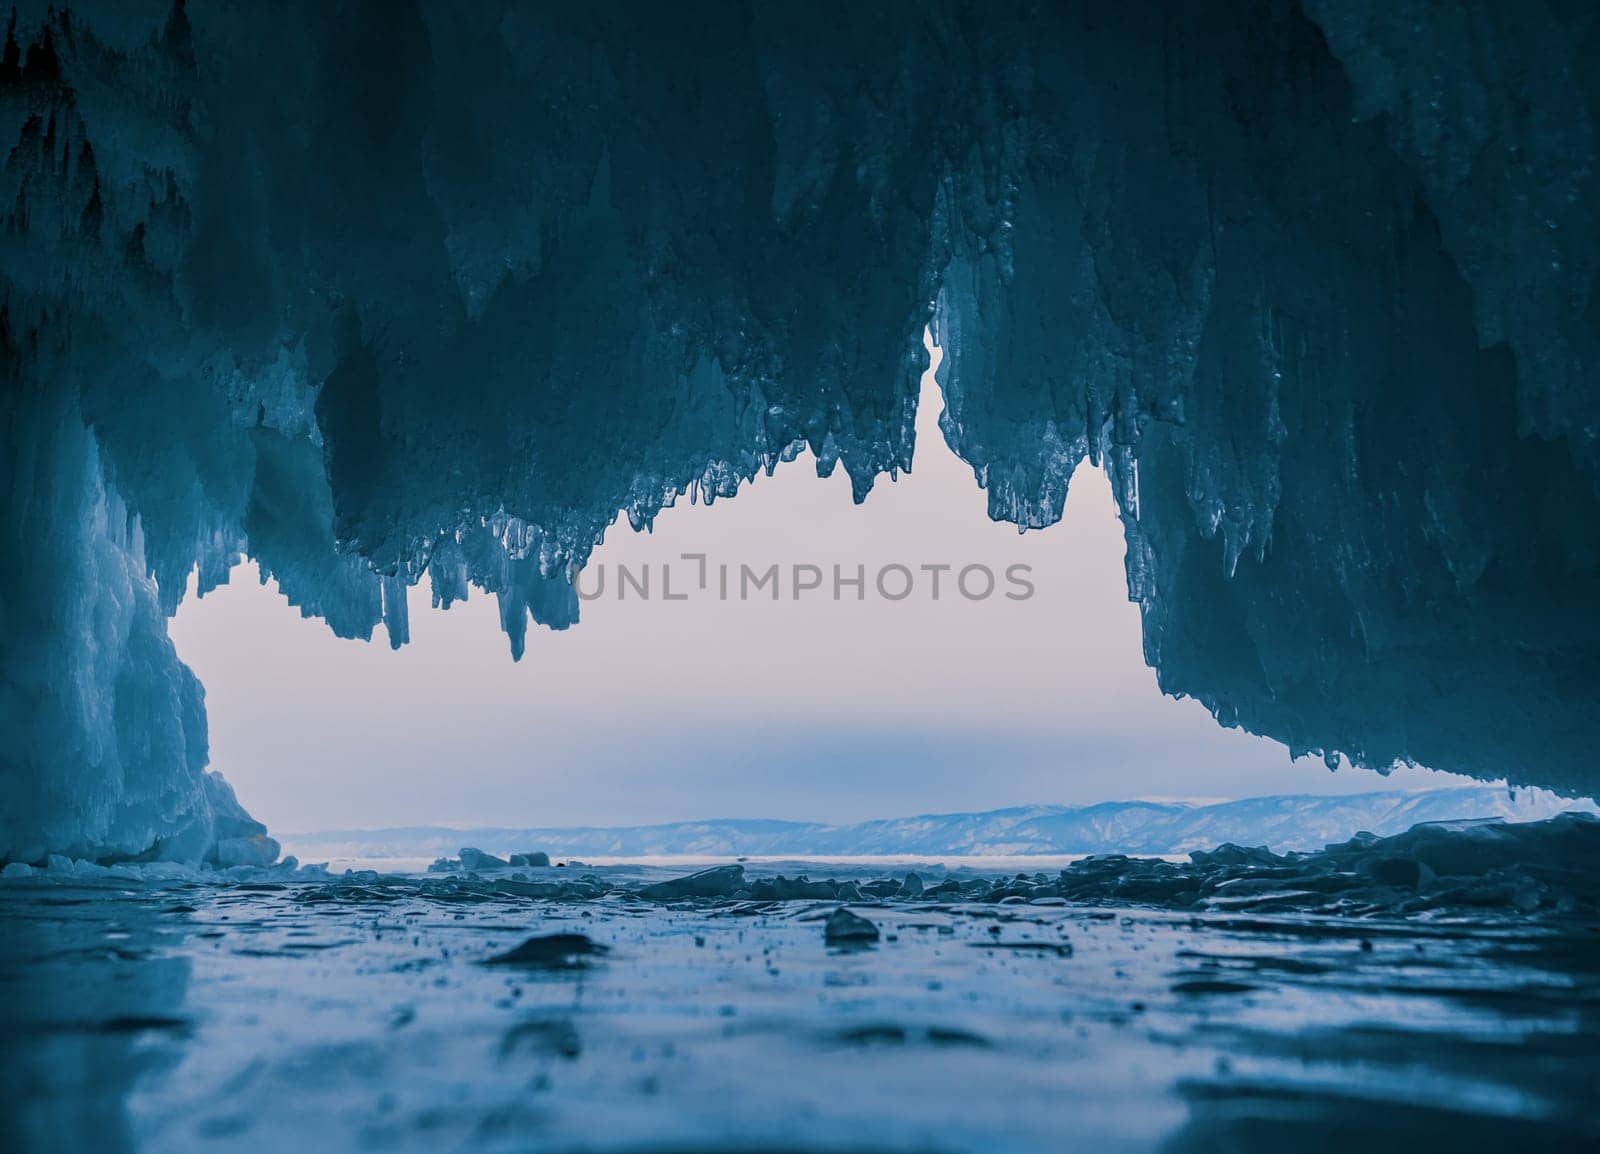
x=1163, y=799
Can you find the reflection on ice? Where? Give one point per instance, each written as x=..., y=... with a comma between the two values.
x=184, y=1014
x=93, y=1000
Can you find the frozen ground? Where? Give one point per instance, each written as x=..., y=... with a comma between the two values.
x=293, y=1011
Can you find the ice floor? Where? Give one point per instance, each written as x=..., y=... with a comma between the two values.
x=351, y=1014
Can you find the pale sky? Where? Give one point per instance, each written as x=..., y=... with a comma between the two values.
x=818, y=710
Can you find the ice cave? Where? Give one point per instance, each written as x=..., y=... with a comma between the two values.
x=376, y=293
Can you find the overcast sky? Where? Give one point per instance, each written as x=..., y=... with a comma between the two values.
x=811, y=709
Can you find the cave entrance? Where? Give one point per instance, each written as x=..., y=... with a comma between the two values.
x=971, y=668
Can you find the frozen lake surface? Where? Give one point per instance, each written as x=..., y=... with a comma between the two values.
x=309, y=1013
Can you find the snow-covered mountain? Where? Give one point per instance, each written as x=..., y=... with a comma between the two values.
x=1288, y=822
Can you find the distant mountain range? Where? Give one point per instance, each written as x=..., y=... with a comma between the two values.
x=1290, y=822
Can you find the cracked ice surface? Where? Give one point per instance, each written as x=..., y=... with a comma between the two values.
x=1315, y=282
x=410, y=1012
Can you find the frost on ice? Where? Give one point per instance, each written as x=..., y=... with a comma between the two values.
x=407, y=291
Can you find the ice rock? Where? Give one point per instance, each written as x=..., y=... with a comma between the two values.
x=255, y=850
x=802, y=888
x=717, y=882
x=476, y=859
x=844, y=927
x=551, y=952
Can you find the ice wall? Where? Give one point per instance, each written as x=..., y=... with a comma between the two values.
x=105, y=729
x=382, y=291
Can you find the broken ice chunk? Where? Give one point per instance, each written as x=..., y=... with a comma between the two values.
x=550, y=952
x=476, y=859
x=253, y=850
x=782, y=889
x=846, y=928
x=717, y=882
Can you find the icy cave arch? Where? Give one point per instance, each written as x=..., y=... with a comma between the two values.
x=380, y=291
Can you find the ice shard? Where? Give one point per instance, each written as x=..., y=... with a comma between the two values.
x=394, y=289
